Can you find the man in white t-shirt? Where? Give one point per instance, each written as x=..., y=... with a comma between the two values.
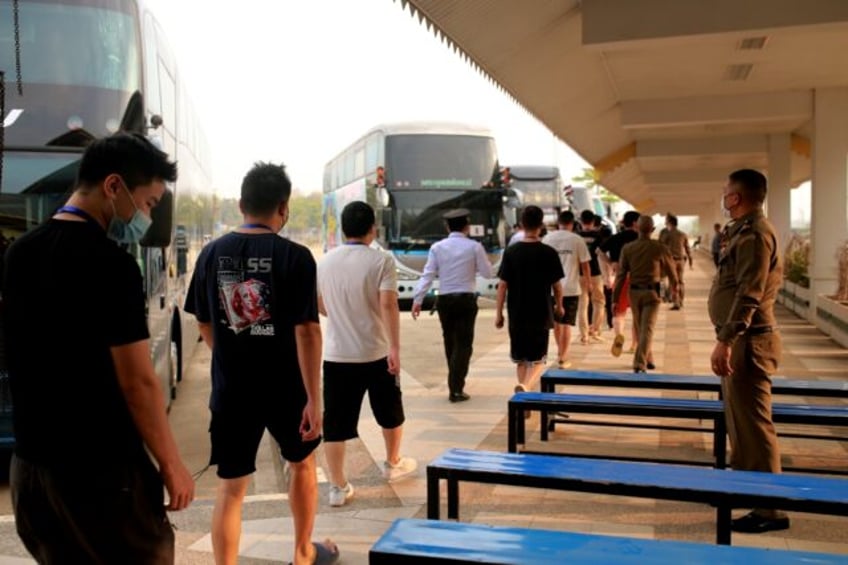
x=574, y=256
x=357, y=292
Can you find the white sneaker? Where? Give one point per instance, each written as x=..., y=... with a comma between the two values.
x=520, y=388
x=340, y=495
x=403, y=468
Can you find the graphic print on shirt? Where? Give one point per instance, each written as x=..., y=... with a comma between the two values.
x=245, y=300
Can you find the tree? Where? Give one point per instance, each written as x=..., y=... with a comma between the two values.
x=591, y=178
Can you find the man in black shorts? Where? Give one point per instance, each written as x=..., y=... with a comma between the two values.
x=357, y=291
x=254, y=295
x=530, y=271
x=87, y=396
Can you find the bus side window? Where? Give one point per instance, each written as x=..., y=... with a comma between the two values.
x=151, y=68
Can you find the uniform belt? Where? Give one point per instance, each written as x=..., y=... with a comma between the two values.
x=653, y=286
x=460, y=294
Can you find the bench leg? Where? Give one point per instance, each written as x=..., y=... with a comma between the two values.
x=453, y=499
x=543, y=433
x=720, y=442
x=520, y=428
x=511, y=431
x=432, y=495
x=723, y=524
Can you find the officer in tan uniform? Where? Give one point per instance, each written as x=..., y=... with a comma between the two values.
x=678, y=243
x=647, y=261
x=748, y=346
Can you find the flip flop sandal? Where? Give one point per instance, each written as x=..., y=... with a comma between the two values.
x=617, y=345
x=324, y=555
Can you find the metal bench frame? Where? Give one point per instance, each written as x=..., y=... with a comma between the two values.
x=723, y=489
x=658, y=408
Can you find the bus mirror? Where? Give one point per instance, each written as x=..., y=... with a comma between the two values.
x=383, y=197
x=159, y=234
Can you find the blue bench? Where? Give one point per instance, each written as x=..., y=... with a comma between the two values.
x=658, y=408
x=723, y=489
x=415, y=542
x=701, y=383
x=696, y=383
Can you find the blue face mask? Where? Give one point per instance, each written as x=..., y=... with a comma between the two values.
x=131, y=231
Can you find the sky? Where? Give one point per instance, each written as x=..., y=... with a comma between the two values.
x=297, y=81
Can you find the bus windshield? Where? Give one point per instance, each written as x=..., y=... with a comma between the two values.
x=418, y=222
x=542, y=193
x=100, y=36
x=418, y=161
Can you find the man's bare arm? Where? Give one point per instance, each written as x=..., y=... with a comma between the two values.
x=139, y=385
x=206, y=333
x=390, y=313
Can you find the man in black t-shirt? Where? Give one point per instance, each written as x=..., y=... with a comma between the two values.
x=610, y=252
x=87, y=398
x=254, y=295
x=530, y=271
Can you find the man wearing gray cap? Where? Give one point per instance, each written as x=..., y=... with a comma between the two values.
x=456, y=260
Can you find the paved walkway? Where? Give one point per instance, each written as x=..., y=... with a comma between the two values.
x=683, y=343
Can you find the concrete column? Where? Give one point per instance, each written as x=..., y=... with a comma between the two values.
x=779, y=190
x=829, y=223
x=707, y=217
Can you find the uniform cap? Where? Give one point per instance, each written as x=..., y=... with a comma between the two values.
x=457, y=213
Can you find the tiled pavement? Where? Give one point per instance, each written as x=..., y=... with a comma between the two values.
x=683, y=343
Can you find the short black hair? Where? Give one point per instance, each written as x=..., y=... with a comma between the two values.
x=264, y=188
x=717, y=226
x=587, y=217
x=671, y=219
x=532, y=218
x=130, y=155
x=457, y=224
x=565, y=218
x=752, y=184
x=357, y=219
x=598, y=221
x=630, y=218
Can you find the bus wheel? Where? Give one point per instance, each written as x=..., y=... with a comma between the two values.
x=175, y=364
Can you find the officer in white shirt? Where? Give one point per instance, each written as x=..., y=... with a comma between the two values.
x=456, y=260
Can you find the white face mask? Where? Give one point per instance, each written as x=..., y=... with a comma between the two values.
x=131, y=231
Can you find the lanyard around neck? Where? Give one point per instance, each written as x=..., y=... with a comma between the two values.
x=256, y=227
x=79, y=212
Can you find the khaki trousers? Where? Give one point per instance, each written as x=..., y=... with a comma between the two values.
x=595, y=295
x=680, y=265
x=747, y=406
x=747, y=403
x=646, y=306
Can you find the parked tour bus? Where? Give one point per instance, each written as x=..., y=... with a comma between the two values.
x=540, y=186
x=91, y=68
x=412, y=173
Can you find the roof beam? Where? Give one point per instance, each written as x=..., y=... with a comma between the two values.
x=730, y=145
x=794, y=106
x=611, y=24
x=710, y=177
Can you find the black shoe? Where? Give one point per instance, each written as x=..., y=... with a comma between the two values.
x=459, y=397
x=751, y=523
x=651, y=366
x=675, y=307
